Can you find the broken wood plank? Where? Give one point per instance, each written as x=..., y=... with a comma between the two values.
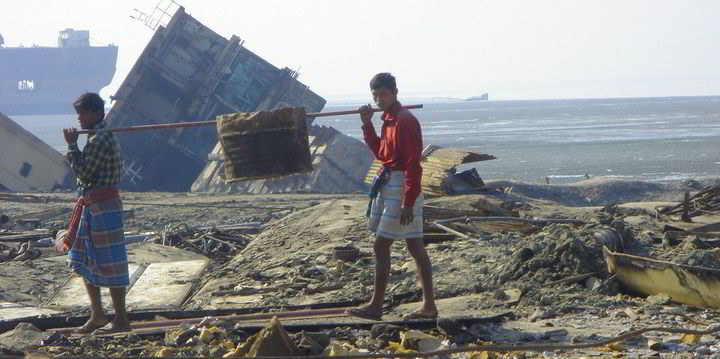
x=537, y=221
x=25, y=236
x=573, y=279
x=45, y=214
x=708, y=228
x=449, y=230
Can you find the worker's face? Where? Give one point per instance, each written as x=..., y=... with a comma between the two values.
x=384, y=97
x=87, y=118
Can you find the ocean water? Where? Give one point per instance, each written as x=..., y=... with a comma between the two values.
x=637, y=138
x=652, y=139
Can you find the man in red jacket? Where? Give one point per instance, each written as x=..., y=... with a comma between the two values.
x=396, y=208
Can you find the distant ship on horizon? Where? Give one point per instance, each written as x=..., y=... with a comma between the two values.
x=483, y=97
x=41, y=80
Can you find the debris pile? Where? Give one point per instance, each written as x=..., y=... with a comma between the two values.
x=705, y=201
x=219, y=243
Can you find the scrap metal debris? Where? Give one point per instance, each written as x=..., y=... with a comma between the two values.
x=706, y=201
x=214, y=242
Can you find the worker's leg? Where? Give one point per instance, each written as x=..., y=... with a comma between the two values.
x=382, y=272
x=416, y=246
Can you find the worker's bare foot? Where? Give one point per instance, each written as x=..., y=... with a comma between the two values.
x=366, y=311
x=422, y=313
x=92, y=325
x=121, y=326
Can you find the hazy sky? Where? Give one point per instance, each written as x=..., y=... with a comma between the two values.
x=511, y=49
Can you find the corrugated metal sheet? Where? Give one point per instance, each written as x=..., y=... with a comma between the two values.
x=437, y=163
x=339, y=165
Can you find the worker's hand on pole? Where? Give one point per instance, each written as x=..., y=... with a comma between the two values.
x=71, y=135
x=366, y=114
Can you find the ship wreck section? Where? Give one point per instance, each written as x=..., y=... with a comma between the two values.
x=339, y=165
x=46, y=80
x=187, y=72
x=27, y=163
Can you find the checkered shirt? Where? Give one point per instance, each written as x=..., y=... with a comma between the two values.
x=99, y=163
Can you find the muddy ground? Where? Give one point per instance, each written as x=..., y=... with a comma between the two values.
x=501, y=268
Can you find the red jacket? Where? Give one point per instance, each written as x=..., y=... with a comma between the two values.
x=399, y=147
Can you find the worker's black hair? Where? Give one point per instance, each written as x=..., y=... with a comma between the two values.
x=383, y=79
x=90, y=101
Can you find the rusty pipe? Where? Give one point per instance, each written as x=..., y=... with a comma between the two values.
x=298, y=314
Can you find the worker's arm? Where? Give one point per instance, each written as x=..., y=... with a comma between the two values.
x=410, y=146
x=86, y=163
x=369, y=134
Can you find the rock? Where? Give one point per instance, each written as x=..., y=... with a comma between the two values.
x=24, y=336
x=592, y=283
x=500, y=295
x=273, y=340
x=309, y=347
x=655, y=345
x=386, y=332
x=542, y=314
x=210, y=333
x=242, y=349
x=555, y=333
x=658, y=299
x=320, y=338
x=524, y=254
x=455, y=331
x=217, y=351
x=512, y=296
x=165, y=352
x=312, y=343
x=483, y=355
x=419, y=341
x=243, y=290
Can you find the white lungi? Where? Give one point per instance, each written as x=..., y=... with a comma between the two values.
x=384, y=218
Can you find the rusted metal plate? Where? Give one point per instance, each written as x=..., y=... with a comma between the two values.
x=164, y=285
x=9, y=311
x=698, y=286
x=73, y=295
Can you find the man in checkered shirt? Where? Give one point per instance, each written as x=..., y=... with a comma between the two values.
x=95, y=240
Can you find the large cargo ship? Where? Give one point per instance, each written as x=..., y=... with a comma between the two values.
x=45, y=80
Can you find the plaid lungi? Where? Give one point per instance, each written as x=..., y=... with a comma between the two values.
x=99, y=252
x=384, y=218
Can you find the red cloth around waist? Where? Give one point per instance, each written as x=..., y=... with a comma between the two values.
x=95, y=196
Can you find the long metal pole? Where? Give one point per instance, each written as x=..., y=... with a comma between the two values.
x=213, y=123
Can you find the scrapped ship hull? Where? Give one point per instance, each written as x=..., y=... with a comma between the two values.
x=27, y=163
x=46, y=80
x=697, y=286
x=187, y=72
